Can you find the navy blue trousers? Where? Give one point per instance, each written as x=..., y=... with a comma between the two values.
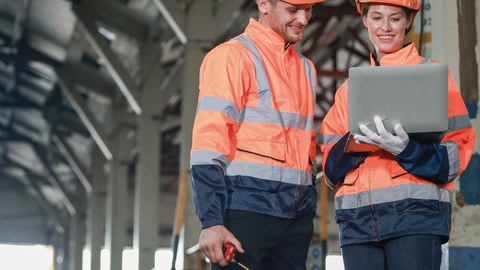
x=411, y=252
x=269, y=242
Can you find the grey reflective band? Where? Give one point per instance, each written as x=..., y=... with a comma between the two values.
x=392, y=194
x=270, y=172
x=205, y=157
x=252, y=115
x=264, y=92
x=256, y=170
x=453, y=159
x=459, y=122
x=312, y=76
x=326, y=139
x=225, y=106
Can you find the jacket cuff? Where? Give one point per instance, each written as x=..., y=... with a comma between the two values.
x=409, y=154
x=211, y=222
x=339, y=163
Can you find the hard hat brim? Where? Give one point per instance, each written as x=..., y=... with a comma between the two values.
x=411, y=4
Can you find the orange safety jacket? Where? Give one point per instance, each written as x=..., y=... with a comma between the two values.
x=379, y=195
x=253, y=138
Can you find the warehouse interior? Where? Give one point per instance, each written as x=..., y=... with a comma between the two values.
x=97, y=101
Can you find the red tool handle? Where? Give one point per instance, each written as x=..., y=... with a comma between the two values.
x=229, y=252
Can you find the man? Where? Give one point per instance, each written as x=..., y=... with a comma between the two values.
x=253, y=150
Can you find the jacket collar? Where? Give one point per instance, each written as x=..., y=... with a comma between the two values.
x=266, y=37
x=408, y=55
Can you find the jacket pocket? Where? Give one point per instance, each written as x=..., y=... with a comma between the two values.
x=396, y=170
x=255, y=185
x=345, y=215
x=414, y=205
x=264, y=148
x=266, y=140
x=351, y=178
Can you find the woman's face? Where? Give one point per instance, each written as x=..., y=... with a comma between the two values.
x=386, y=26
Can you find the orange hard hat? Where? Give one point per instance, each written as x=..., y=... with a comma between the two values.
x=411, y=4
x=301, y=2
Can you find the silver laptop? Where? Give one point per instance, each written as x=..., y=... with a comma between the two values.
x=414, y=96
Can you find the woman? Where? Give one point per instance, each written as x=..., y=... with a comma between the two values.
x=393, y=206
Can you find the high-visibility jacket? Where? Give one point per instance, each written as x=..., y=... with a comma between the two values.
x=379, y=195
x=253, y=138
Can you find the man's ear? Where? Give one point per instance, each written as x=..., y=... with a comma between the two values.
x=263, y=6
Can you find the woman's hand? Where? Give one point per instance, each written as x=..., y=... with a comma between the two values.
x=393, y=143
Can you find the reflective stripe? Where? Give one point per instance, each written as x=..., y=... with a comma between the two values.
x=205, y=157
x=270, y=172
x=311, y=75
x=266, y=116
x=260, y=171
x=271, y=116
x=453, y=159
x=455, y=123
x=220, y=105
x=458, y=122
x=264, y=92
x=392, y=194
x=326, y=139
x=329, y=182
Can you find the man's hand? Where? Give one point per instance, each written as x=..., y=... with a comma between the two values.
x=211, y=243
x=394, y=144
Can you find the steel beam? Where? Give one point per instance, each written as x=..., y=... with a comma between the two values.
x=115, y=16
x=52, y=179
x=90, y=78
x=96, y=131
x=113, y=65
x=171, y=21
x=72, y=160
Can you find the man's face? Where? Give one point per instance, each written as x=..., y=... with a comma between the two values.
x=287, y=20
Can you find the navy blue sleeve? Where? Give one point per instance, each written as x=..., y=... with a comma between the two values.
x=339, y=163
x=429, y=161
x=209, y=194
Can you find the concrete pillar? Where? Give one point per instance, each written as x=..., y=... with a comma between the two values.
x=96, y=210
x=115, y=232
x=77, y=240
x=445, y=35
x=145, y=231
x=197, y=30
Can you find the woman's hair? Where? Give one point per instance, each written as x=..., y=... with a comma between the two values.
x=409, y=13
